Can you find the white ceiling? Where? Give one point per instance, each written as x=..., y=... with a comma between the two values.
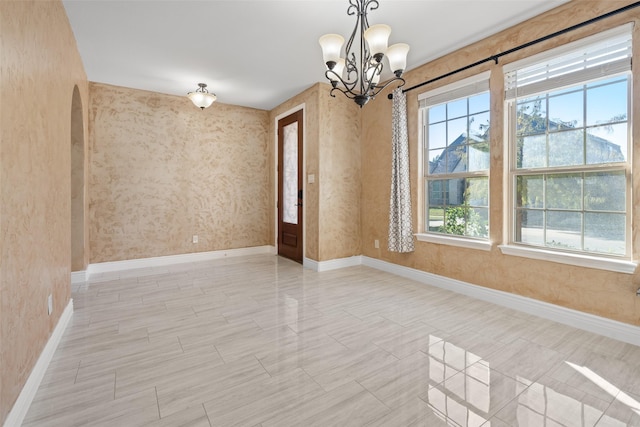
x=260, y=53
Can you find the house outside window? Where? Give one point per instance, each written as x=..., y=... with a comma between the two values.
x=455, y=135
x=569, y=133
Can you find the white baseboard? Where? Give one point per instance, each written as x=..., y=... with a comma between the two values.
x=115, y=266
x=78, y=276
x=578, y=319
x=333, y=264
x=20, y=408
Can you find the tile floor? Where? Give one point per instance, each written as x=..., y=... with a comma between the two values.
x=260, y=341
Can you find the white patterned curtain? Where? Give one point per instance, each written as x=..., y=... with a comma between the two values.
x=400, y=220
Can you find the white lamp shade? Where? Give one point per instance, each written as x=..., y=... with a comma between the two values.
x=202, y=99
x=397, y=56
x=377, y=37
x=376, y=77
x=331, y=46
x=338, y=69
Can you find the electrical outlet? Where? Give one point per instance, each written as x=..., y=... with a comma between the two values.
x=195, y=238
x=50, y=304
x=376, y=244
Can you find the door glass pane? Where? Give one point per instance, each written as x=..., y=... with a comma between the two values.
x=290, y=174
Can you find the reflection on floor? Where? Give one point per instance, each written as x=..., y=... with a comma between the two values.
x=260, y=341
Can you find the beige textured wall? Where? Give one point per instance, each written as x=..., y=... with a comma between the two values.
x=39, y=67
x=163, y=170
x=603, y=293
x=332, y=154
x=340, y=177
x=79, y=254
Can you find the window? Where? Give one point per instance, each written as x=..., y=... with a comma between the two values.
x=455, y=129
x=569, y=147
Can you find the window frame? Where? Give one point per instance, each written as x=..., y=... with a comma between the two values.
x=445, y=94
x=611, y=262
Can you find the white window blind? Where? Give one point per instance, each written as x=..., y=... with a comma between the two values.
x=461, y=89
x=604, y=55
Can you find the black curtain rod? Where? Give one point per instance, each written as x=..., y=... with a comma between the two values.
x=523, y=46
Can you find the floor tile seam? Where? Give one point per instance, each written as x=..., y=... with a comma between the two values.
x=312, y=378
x=398, y=359
x=75, y=378
x=602, y=415
x=60, y=410
x=507, y=402
x=443, y=416
x=304, y=397
x=204, y=407
x=378, y=398
x=374, y=396
x=339, y=342
x=508, y=375
x=263, y=367
x=301, y=420
x=469, y=406
x=157, y=402
x=337, y=368
x=566, y=355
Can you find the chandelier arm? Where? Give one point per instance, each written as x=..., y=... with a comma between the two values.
x=347, y=84
x=364, y=55
x=357, y=6
x=351, y=68
x=383, y=87
x=348, y=94
x=353, y=4
x=370, y=5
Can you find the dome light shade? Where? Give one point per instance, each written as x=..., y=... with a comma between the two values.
x=201, y=97
x=331, y=46
x=373, y=76
x=377, y=37
x=338, y=70
x=397, y=56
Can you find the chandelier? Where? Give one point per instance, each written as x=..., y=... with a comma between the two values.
x=201, y=96
x=363, y=72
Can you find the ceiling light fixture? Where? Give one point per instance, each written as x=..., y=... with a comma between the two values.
x=201, y=97
x=361, y=83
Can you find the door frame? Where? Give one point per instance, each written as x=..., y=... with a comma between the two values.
x=304, y=176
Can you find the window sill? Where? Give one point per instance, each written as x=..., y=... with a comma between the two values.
x=483, y=245
x=618, y=266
